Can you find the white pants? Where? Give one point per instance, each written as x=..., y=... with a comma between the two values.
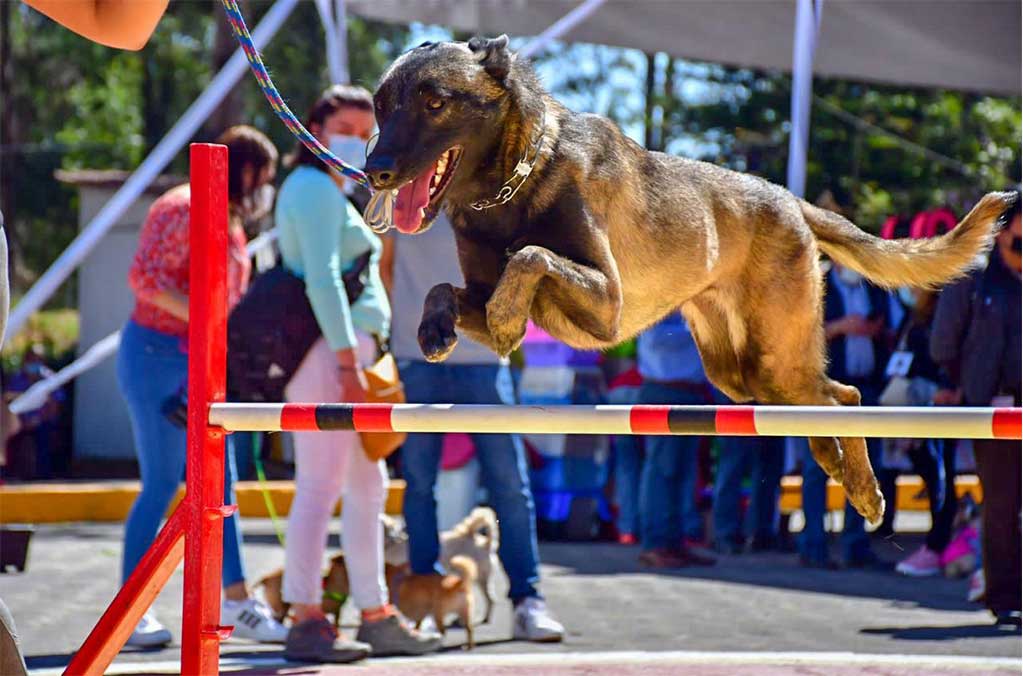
x=329, y=465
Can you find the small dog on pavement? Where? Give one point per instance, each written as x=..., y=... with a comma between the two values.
x=335, y=581
x=477, y=537
x=436, y=596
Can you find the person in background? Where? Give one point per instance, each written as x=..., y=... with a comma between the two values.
x=765, y=458
x=855, y=319
x=912, y=368
x=669, y=363
x=628, y=460
x=976, y=339
x=152, y=363
x=472, y=374
x=321, y=237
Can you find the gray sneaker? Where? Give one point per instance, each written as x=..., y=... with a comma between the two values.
x=318, y=641
x=392, y=636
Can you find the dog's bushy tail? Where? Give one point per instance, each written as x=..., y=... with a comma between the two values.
x=485, y=522
x=923, y=263
x=464, y=567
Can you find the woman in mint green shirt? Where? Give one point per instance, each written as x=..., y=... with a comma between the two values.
x=320, y=236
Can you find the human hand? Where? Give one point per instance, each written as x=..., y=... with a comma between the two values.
x=353, y=385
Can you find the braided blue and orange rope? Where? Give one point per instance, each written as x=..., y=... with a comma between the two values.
x=380, y=210
x=234, y=17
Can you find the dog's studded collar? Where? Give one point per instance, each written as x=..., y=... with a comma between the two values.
x=522, y=171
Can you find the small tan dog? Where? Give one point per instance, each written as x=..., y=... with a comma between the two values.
x=335, y=582
x=422, y=596
x=476, y=537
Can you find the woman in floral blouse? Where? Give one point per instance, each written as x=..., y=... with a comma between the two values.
x=152, y=364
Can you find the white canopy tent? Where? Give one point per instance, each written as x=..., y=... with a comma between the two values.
x=971, y=45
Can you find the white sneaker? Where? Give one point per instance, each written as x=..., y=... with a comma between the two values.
x=533, y=622
x=978, y=588
x=253, y=620
x=149, y=633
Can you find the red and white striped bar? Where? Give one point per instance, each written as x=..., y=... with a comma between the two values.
x=770, y=421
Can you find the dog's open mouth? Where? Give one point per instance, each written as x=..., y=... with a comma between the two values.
x=419, y=199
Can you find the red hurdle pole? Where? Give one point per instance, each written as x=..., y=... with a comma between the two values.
x=201, y=632
x=198, y=519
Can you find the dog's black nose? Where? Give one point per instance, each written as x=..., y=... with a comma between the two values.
x=381, y=171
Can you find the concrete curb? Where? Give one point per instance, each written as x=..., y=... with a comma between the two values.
x=111, y=500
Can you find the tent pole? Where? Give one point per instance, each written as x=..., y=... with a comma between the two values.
x=560, y=27
x=804, y=43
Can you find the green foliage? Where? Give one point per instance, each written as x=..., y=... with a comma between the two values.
x=73, y=104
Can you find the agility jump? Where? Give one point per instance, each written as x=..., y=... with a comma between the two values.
x=194, y=530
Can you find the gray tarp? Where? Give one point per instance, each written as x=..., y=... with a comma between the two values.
x=954, y=44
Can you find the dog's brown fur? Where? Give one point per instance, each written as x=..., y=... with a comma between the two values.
x=422, y=596
x=606, y=238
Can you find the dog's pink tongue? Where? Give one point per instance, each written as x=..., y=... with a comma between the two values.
x=412, y=199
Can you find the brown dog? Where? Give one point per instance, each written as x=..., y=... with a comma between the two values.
x=422, y=596
x=560, y=218
x=335, y=588
x=335, y=581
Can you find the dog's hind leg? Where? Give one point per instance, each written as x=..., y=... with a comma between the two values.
x=589, y=297
x=784, y=364
x=709, y=326
x=860, y=483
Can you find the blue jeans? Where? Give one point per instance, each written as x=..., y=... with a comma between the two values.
x=150, y=368
x=628, y=459
x=503, y=471
x=765, y=457
x=813, y=542
x=668, y=483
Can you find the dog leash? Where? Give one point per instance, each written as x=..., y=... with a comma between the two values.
x=257, y=460
x=380, y=210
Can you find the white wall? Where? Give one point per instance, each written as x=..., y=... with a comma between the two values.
x=101, y=425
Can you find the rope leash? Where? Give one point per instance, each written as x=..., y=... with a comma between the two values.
x=380, y=209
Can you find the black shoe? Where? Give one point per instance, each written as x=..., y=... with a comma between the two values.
x=867, y=560
x=820, y=564
x=1007, y=618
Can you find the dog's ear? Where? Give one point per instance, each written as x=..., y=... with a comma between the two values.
x=493, y=55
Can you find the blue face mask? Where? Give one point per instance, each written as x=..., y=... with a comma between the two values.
x=350, y=150
x=907, y=296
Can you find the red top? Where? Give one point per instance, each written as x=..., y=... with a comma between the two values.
x=161, y=262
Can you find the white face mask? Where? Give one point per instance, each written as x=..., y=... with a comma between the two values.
x=849, y=277
x=350, y=150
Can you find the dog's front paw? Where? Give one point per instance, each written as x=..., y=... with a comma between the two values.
x=437, y=337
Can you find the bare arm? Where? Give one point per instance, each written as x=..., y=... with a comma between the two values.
x=125, y=24
x=170, y=301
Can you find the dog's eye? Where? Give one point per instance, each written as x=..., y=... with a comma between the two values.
x=434, y=103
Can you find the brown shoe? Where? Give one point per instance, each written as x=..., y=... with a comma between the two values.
x=662, y=558
x=692, y=557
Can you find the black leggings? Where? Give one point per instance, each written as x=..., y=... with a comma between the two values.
x=943, y=507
